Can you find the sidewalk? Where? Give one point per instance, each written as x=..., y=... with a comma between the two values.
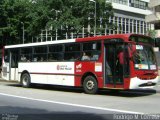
x=3, y=80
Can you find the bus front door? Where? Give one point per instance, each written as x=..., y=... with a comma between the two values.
x=13, y=67
x=114, y=69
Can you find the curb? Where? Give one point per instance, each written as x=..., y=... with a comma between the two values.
x=11, y=81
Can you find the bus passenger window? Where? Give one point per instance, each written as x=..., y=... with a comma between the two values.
x=55, y=53
x=40, y=54
x=35, y=59
x=85, y=56
x=26, y=54
x=95, y=57
x=23, y=58
x=50, y=58
x=41, y=59
x=72, y=52
x=92, y=50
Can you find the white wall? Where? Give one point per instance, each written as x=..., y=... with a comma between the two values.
x=130, y=9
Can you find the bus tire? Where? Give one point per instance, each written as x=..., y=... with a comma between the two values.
x=25, y=80
x=90, y=85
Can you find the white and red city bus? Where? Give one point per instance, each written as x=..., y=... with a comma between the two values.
x=122, y=61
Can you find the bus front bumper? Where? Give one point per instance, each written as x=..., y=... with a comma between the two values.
x=136, y=83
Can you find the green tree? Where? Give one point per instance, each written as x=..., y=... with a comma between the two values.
x=68, y=16
x=65, y=16
x=32, y=15
x=152, y=33
x=13, y=16
x=39, y=15
x=73, y=15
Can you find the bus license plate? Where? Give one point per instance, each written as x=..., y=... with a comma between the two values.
x=149, y=83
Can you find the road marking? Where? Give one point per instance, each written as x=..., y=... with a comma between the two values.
x=71, y=104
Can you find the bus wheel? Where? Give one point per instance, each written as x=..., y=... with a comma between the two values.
x=25, y=80
x=90, y=85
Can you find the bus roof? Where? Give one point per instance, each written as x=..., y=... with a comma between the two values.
x=125, y=37
x=40, y=43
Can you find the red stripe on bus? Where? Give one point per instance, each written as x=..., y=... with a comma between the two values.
x=51, y=74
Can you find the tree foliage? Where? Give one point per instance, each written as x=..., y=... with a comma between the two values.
x=63, y=15
x=152, y=33
x=13, y=14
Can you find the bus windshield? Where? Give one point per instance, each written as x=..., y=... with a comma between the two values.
x=144, y=58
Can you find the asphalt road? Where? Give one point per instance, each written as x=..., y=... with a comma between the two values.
x=62, y=103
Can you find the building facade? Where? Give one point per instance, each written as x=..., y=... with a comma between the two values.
x=129, y=15
x=154, y=17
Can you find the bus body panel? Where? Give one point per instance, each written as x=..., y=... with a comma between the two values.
x=85, y=68
x=59, y=73
x=5, y=71
x=14, y=74
x=136, y=83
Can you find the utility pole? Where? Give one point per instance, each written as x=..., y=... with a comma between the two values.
x=95, y=16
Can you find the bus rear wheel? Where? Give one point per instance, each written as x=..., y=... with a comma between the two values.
x=25, y=80
x=90, y=85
